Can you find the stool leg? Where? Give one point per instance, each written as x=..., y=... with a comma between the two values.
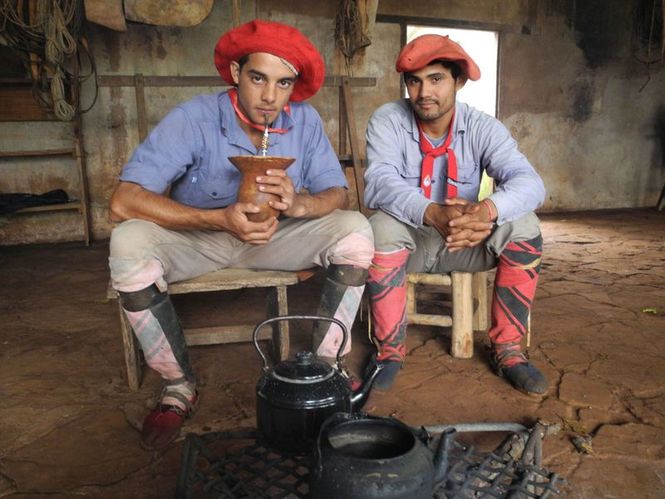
x=462, y=336
x=410, y=300
x=131, y=349
x=278, y=306
x=481, y=312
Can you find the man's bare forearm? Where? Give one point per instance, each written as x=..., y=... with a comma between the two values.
x=133, y=201
x=319, y=205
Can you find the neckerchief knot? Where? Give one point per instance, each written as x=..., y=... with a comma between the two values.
x=431, y=153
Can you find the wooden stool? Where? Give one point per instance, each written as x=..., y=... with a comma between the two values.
x=222, y=280
x=469, y=309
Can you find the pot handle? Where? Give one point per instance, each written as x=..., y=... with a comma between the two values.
x=345, y=332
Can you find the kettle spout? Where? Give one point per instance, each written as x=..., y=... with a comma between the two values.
x=359, y=399
x=441, y=455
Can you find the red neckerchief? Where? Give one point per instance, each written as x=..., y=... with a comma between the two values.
x=233, y=95
x=428, y=161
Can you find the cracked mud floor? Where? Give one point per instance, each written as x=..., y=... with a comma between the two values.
x=68, y=420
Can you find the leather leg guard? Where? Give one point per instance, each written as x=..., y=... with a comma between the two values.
x=340, y=299
x=156, y=326
x=514, y=289
x=387, y=295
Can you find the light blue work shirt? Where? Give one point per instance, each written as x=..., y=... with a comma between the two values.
x=481, y=143
x=189, y=150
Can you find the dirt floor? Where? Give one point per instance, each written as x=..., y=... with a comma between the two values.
x=68, y=422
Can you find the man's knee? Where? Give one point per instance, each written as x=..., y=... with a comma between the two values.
x=132, y=261
x=131, y=239
x=356, y=247
x=351, y=221
x=525, y=228
x=389, y=233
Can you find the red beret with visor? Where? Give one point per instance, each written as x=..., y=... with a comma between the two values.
x=425, y=49
x=279, y=40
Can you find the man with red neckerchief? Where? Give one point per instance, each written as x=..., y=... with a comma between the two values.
x=177, y=204
x=426, y=156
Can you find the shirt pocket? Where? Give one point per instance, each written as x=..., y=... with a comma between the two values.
x=220, y=187
x=410, y=171
x=468, y=172
x=468, y=179
x=411, y=179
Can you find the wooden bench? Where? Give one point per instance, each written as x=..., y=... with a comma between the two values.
x=276, y=283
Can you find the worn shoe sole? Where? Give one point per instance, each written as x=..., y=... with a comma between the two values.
x=525, y=377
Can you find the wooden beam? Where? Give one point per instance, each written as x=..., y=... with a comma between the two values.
x=139, y=90
x=446, y=23
x=430, y=279
x=81, y=158
x=209, y=81
x=32, y=154
x=353, y=143
x=430, y=320
x=74, y=205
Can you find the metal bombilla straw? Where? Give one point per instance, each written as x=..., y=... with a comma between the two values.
x=264, y=140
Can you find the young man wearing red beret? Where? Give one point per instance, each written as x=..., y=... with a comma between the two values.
x=426, y=155
x=177, y=204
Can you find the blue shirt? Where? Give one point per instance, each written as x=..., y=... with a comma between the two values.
x=189, y=149
x=481, y=143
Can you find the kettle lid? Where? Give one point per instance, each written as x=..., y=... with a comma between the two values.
x=305, y=369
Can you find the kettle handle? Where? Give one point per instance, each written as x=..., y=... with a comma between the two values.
x=345, y=332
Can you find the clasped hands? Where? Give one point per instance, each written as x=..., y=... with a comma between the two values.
x=275, y=182
x=461, y=223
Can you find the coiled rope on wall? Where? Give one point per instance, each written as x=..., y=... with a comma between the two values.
x=47, y=36
x=350, y=34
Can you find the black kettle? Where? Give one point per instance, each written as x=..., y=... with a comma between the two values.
x=359, y=456
x=295, y=397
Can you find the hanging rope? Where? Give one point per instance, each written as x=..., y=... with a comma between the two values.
x=59, y=42
x=349, y=29
x=47, y=35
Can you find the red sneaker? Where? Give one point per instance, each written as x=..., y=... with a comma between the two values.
x=162, y=426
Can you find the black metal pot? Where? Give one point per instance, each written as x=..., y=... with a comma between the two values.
x=294, y=398
x=368, y=457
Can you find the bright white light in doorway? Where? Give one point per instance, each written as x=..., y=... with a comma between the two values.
x=483, y=47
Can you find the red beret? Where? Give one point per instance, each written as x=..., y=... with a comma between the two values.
x=420, y=51
x=276, y=39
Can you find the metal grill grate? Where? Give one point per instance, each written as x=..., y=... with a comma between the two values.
x=494, y=476
x=232, y=465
